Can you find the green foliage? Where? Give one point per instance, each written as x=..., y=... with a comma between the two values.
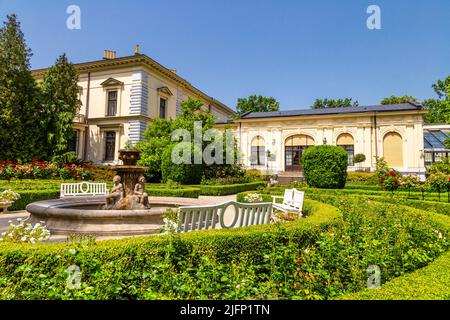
x=439, y=181
x=334, y=103
x=398, y=100
x=65, y=158
x=256, y=103
x=21, y=115
x=439, y=109
x=60, y=98
x=182, y=173
x=325, y=166
x=167, y=191
x=218, y=190
x=222, y=264
x=156, y=139
x=30, y=196
x=368, y=178
x=254, y=175
x=442, y=166
x=359, y=157
x=391, y=180
x=381, y=168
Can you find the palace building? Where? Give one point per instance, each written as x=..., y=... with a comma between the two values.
x=275, y=141
x=121, y=96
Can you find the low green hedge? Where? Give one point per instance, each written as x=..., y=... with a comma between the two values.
x=224, y=190
x=152, y=267
x=180, y=193
x=429, y=283
x=27, y=197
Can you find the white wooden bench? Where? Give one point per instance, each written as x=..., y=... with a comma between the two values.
x=83, y=189
x=292, y=201
x=213, y=217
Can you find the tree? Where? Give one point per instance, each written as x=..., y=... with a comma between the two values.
x=439, y=109
x=21, y=115
x=158, y=139
x=61, y=103
x=397, y=100
x=256, y=103
x=334, y=103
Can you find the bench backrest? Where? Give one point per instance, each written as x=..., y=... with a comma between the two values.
x=297, y=200
x=213, y=217
x=288, y=195
x=83, y=189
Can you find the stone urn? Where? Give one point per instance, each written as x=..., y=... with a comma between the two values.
x=4, y=205
x=129, y=157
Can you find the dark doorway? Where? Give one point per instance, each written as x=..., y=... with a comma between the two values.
x=110, y=150
x=293, y=158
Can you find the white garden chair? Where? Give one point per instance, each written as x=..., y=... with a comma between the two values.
x=292, y=201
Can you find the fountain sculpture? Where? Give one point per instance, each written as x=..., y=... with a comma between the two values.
x=126, y=210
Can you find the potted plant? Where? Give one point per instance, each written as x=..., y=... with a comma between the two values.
x=129, y=154
x=7, y=198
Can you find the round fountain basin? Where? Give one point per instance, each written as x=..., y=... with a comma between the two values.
x=84, y=215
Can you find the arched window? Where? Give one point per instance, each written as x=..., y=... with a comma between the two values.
x=347, y=142
x=258, y=154
x=393, y=149
x=294, y=148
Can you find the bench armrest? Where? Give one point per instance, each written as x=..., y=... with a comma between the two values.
x=276, y=197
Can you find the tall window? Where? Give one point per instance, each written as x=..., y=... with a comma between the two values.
x=110, y=148
x=162, y=108
x=347, y=142
x=258, y=154
x=112, y=103
x=72, y=144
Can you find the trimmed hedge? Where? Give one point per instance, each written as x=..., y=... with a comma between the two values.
x=129, y=268
x=429, y=283
x=224, y=190
x=27, y=197
x=180, y=193
x=325, y=166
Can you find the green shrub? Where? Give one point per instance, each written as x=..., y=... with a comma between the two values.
x=27, y=197
x=182, y=173
x=325, y=166
x=220, y=264
x=368, y=178
x=103, y=173
x=442, y=166
x=254, y=175
x=219, y=190
x=190, y=192
x=429, y=283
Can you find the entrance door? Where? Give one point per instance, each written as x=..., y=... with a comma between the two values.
x=294, y=148
x=110, y=150
x=294, y=158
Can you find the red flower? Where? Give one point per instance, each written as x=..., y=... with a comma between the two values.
x=382, y=180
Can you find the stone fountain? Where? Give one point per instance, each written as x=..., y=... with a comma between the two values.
x=126, y=211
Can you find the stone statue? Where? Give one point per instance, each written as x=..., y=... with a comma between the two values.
x=139, y=191
x=117, y=193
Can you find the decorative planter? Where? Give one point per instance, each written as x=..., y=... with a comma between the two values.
x=4, y=205
x=129, y=157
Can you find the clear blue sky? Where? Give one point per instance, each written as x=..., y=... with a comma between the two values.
x=294, y=50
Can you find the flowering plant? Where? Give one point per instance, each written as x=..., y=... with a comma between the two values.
x=170, y=219
x=253, y=198
x=25, y=233
x=9, y=195
x=391, y=180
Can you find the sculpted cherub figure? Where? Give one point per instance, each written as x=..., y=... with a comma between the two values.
x=139, y=191
x=116, y=192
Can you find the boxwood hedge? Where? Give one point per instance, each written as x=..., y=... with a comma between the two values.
x=224, y=190
x=127, y=268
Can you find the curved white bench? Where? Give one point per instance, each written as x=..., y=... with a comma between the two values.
x=213, y=217
x=83, y=189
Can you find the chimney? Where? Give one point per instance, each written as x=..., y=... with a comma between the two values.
x=109, y=54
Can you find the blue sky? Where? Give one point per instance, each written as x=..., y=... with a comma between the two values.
x=295, y=51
